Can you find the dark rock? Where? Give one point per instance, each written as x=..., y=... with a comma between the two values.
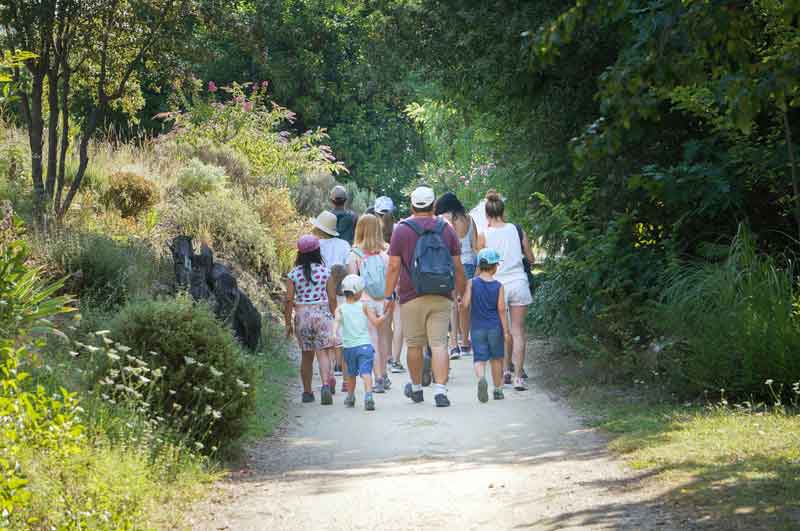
x=182, y=254
x=205, y=278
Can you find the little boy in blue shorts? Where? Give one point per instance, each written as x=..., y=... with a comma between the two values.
x=489, y=329
x=352, y=320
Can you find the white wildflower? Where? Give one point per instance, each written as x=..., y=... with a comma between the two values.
x=112, y=356
x=242, y=384
x=189, y=360
x=123, y=348
x=768, y=382
x=102, y=332
x=214, y=372
x=73, y=354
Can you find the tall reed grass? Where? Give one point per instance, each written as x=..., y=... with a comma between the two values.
x=735, y=323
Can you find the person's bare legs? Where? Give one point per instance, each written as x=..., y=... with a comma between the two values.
x=518, y=314
x=497, y=371
x=440, y=360
x=455, y=323
x=306, y=369
x=324, y=358
x=397, y=336
x=379, y=366
x=464, y=320
x=367, y=379
x=351, y=385
x=480, y=369
x=414, y=359
x=385, y=343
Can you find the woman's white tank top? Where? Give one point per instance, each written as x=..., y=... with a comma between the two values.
x=505, y=240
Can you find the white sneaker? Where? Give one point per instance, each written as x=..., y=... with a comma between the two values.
x=520, y=385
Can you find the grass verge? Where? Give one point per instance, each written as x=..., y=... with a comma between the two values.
x=722, y=467
x=273, y=372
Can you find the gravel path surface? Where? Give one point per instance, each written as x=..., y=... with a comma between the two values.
x=522, y=463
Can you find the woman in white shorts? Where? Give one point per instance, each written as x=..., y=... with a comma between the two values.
x=369, y=260
x=504, y=238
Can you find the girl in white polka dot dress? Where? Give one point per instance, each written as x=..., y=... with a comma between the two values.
x=309, y=311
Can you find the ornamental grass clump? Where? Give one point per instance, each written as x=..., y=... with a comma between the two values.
x=733, y=324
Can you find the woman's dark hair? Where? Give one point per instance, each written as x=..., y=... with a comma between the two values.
x=448, y=203
x=495, y=207
x=306, y=260
x=387, y=225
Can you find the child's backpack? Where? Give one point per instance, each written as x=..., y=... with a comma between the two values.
x=373, y=272
x=431, y=270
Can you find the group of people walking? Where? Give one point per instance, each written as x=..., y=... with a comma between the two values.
x=436, y=282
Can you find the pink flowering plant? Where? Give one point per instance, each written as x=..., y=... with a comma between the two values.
x=244, y=117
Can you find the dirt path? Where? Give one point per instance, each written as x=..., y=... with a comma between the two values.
x=522, y=463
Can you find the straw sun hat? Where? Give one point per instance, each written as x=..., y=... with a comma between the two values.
x=326, y=222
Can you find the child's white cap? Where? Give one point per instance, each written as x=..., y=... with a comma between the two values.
x=353, y=284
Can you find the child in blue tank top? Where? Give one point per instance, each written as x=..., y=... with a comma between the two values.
x=486, y=301
x=352, y=320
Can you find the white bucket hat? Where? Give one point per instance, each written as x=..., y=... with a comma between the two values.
x=326, y=222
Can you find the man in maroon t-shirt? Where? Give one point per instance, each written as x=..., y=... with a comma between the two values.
x=425, y=318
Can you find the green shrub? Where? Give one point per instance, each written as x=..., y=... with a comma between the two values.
x=131, y=194
x=236, y=165
x=360, y=199
x=204, y=385
x=732, y=325
x=200, y=178
x=104, y=272
x=229, y=224
x=311, y=193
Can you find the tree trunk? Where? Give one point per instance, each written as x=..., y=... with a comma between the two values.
x=36, y=139
x=62, y=160
x=86, y=136
x=52, y=134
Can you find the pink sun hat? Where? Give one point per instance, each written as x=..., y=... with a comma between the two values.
x=307, y=243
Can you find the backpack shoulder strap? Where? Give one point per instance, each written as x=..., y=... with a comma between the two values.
x=521, y=238
x=413, y=225
x=440, y=225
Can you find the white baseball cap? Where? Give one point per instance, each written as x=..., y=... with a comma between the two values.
x=384, y=204
x=353, y=284
x=422, y=197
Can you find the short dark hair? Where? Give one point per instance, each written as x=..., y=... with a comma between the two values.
x=422, y=210
x=483, y=266
x=339, y=202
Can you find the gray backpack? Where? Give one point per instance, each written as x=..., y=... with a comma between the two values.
x=431, y=270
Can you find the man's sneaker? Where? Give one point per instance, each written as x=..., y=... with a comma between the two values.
x=397, y=367
x=369, y=404
x=332, y=384
x=415, y=396
x=350, y=401
x=326, y=397
x=455, y=353
x=379, y=386
x=507, y=378
x=498, y=394
x=337, y=370
x=441, y=400
x=483, y=390
x=466, y=350
x=520, y=385
x=387, y=383
x=427, y=372
x=524, y=375
x=308, y=397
